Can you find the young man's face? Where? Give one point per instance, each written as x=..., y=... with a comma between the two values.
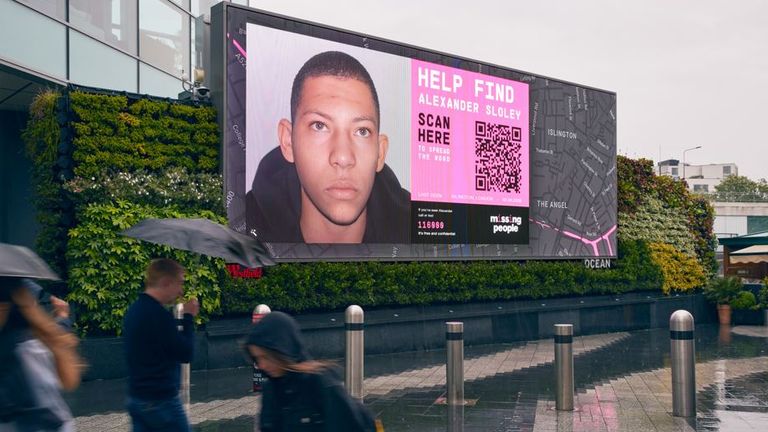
x=336, y=146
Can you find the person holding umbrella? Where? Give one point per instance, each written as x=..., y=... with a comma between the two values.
x=154, y=349
x=37, y=360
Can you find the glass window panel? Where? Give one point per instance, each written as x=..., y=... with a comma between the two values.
x=157, y=83
x=164, y=34
x=182, y=3
x=54, y=8
x=112, y=21
x=94, y=64
x=43, y=50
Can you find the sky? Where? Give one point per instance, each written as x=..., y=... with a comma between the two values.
x=686, y=73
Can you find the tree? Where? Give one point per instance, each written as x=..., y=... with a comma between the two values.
x=741, y=189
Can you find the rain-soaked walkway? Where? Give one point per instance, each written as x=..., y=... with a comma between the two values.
x=623, y=383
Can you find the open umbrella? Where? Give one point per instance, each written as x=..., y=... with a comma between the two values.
x=204, y=237
x=21, y=262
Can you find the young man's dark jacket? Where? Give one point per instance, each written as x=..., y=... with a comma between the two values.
x=306, y=401
x=154, y=349
x=274, y=204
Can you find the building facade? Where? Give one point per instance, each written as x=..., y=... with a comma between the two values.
x=137, y=46
x=700, y=178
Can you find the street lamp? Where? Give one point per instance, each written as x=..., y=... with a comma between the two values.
x=686, y=150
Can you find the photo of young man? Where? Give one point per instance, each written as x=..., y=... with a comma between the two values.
x=327, y=181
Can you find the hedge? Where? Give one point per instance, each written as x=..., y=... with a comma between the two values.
x=323, y=286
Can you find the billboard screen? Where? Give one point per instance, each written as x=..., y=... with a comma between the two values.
x=340, y=146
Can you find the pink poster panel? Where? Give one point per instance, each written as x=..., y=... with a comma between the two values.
x=469, y=137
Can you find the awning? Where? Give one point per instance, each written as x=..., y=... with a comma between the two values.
x=750, y=255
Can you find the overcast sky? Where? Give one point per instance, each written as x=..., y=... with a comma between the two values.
x=686, y=73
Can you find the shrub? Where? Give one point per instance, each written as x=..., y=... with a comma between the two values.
x=723, y=290
x=681, y=272
x=743, y=300
x=324, y=286
x=763, y=295
x=106, y=269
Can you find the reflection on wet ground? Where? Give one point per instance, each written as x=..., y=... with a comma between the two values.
x=622, y=381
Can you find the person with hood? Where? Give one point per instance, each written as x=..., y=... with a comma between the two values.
x=327, y=181
x=301, y=394
x=38, y=359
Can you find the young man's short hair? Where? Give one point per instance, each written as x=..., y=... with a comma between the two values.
x=160, y=268
x=336, y=64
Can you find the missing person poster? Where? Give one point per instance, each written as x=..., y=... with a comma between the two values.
x=348, y=145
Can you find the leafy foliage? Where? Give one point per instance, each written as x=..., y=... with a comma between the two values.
x=652, y=208
x=106, y=268
x=42, y=137
x=762, y=296
x=741, y=189
x=323, y=286
x=723, y=290
x=656, y=223
x=171, y=187
x=681, y=272
x=114, y=135
x=744, y=300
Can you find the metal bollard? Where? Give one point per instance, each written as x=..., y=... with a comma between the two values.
x=564, y=367
x=455, y=418
x=178, y=312
x=259, y=377
x=454, y=370
x=353, y=374
x=683, y=354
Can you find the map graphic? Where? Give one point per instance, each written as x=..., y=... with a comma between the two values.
x=573, y=170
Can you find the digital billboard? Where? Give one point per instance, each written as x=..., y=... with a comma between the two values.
x=342, y=146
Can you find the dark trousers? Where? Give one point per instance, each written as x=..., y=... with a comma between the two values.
x=163, y=415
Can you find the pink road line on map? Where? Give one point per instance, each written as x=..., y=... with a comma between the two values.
x=592, y=243
x=605, y=237
x=239, y=48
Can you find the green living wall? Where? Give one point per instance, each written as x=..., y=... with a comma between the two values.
x=103, y=162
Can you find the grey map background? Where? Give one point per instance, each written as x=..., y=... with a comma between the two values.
x=572, y=153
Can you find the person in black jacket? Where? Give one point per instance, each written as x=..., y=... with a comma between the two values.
x=327, y=182
x=301, y=394
x=154, y=349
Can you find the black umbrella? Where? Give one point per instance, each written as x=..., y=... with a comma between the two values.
x=204, y=237
x=21, y=262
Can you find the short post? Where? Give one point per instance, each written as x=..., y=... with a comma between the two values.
x=564, y=367
x=353, y=374
x=765, y=317
x=259, y=377
x=178, y=312
x=683, y=364
x=454, y=370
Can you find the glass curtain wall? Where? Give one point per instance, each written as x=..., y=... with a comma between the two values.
x=133, y=45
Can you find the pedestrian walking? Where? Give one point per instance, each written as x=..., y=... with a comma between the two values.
x=38, y=359
x=301, y=394
x=155, y=349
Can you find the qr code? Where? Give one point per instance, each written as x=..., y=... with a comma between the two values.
x=497, y=157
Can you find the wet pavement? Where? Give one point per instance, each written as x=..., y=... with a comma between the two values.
x=623, y=383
